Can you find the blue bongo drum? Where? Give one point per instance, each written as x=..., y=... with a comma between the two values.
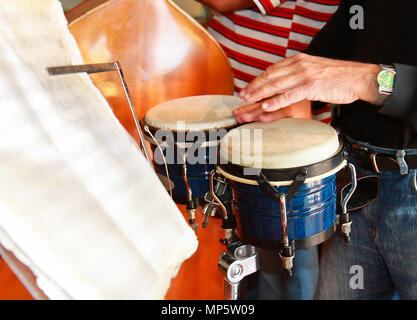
x=184, y=134
x=283, y=180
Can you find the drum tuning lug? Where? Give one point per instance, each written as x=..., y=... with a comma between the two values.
x=346, y=227
x=287, y=257
x=205, y=223
x=344, y=219
x=209, y=210
x=191, y=216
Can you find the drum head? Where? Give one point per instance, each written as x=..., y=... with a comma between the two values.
x=196, y=113
x=283, y=144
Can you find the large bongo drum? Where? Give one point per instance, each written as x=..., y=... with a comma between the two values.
x=184, y=134
x=283, y=180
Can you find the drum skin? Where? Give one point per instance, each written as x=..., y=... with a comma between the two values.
x=311, y=212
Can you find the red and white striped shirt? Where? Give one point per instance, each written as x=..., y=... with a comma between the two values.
x=254, y=39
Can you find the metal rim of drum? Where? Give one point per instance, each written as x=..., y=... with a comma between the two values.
x=209, y=143
x=282, y=177
x=175, y=133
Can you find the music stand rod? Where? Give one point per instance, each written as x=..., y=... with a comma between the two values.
x=105, y=67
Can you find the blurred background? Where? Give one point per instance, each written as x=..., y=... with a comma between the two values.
x=201, y=13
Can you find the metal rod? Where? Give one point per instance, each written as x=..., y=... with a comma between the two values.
x=185, y=177
x=148, y=131
x=213, y=194
x=352, y=188
x=283, y=207
x=89, y=68
x=105, y=67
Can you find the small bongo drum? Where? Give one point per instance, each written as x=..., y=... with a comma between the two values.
x=184, y=134
x=283, y=180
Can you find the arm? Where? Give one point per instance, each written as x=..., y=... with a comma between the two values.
x=305, y=77
x=332, y=40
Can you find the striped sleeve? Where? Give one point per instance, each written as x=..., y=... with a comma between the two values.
x=309, y=18
x=265, y=6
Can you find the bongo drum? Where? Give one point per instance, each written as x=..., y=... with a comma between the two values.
x=283, y=182
x=184, y=134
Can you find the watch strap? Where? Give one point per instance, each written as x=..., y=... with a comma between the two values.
x=383, y=96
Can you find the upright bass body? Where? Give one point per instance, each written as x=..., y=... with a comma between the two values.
x=164, y=53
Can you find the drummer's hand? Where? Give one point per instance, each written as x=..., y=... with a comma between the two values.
x=224, y=6
x=305, y=77
x=254, y=112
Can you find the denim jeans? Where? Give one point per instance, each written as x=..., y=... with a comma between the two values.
x=272, y=282
x=382, y=254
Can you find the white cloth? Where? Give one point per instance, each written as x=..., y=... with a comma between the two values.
x=78, y=202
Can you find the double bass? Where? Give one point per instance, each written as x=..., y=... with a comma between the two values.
x=164, y=53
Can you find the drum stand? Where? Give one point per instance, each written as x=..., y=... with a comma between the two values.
x=236, y=266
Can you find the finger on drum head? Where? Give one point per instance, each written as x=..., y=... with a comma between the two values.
x=280, y=69
x=245, y=108
x=251, y=115
x=286, y=99
x=276, y=86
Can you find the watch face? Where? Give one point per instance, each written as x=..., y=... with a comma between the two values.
x=386, y=79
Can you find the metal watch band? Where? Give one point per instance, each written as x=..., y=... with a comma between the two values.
x=383, y=97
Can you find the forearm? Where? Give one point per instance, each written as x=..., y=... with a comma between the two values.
x=224, y=6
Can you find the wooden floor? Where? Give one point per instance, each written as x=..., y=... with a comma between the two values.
x=198, y=278
x=10, y=286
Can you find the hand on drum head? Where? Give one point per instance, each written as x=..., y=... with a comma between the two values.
x=255, y=112
x=306, y=77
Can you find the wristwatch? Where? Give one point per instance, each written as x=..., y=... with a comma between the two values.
x=385, y=82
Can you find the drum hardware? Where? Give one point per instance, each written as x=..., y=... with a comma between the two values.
x=169, y=182
x=193, y=125
x=106, y=67
x=415, y=181
x=344, y=219
x=239, y=260
x=224, y=201
x=191, y=206
x=210, y=208
x=372, y=156
x=236, y=266
x=214, y=195
x=287, y=252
